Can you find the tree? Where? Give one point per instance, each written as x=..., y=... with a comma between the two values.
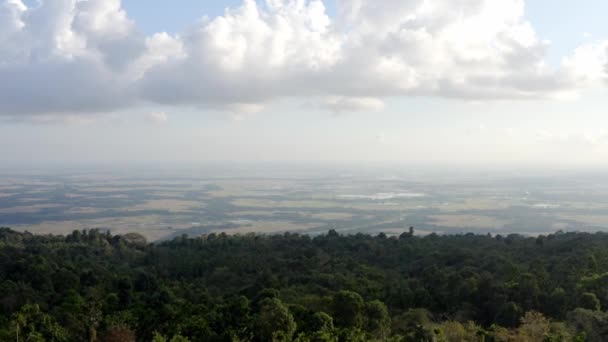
x=557, y=302
x=274, y=322
x=589, y=301
x=534, y=327
x=322, y=322
x=119, y=334
x=378, y=322
x=260, y=288
x=31, y=324
x=594, y=324
x=157, y=337
x=135, y=239
x=348, y=309
x=414, y=325
x=161, y=338
x=322, y=326
x=509, y=315
x=454, y=332
x=352, y=335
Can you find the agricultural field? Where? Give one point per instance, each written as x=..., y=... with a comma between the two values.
x=169, y=203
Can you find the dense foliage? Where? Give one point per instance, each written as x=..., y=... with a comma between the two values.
x=92, y=286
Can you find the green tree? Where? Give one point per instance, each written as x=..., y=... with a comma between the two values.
x=509, y=315
x=557, y=302
x=454, y=332
x=589, y=301
x=31, y=324
x=157, y=337
x=378, y=322
x=593, y=324
x=348, y=309
x=322, y=326
x=274, y=322
x=322, y=322
x=410, y=320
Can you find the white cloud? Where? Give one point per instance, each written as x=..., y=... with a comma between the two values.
x=10, y=18
x=588, y=63
x=242, y=108
x=66, y=56
x=573, y=139
x=161, y=48
x=251, y=55
x=157, y=117
x=372, y=50
x=71, y=56
x=340, y=104
x=381, y=138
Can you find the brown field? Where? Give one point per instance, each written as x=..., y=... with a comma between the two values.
x=28, y=208
x=264, y=203
x=477, y=203
x=252, y=213
x=467, y=221
x=332, y=216
x=595, y=220
x=82, y=210
x=171, y=194
x=172, y=205
x=74, y=195
x=132, y=187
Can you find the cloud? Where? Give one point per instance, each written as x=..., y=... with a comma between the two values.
x=66, y=56
x=251, y=55
x=73, y=57
x=589, y=62
x=573, y=139
x=606, y=66
x=478, y=130
x=340, y=104
x=381, y=138
x=157, y=117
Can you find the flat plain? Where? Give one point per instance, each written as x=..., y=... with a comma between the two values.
x=162, y=205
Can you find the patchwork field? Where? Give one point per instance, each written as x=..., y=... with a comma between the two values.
x=179, y=202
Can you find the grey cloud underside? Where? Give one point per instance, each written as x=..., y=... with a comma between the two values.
x=54, y=87
x=69, y=56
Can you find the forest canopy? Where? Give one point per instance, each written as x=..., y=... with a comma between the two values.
x=95, y=286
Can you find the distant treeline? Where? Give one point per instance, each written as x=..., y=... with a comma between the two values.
x=93, y=286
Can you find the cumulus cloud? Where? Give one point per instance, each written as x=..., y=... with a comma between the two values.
x=251, y=55
x=588, y=63
x=71, y=56
x=65, y=56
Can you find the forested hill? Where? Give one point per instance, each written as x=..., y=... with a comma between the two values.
x=92, y=286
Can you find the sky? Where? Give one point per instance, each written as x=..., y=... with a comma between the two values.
x=467, y=82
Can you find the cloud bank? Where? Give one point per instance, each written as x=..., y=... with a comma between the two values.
x=73, y=57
